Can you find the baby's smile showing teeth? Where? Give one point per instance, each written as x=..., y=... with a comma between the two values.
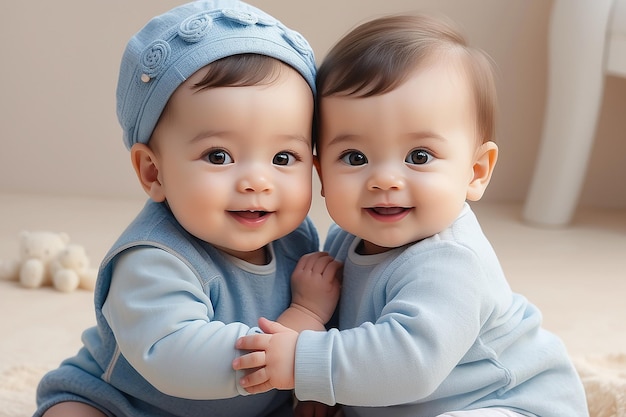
x=388, y=210
x=388, y=214
x=251, y=218
x=250, y=214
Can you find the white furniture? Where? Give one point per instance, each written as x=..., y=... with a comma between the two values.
x=587, y=41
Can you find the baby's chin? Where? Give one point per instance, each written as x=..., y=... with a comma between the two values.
x=379, y=245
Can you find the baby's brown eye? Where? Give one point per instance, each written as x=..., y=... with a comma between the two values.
x=354, y=158
x=418, y=157
x=219, y=157
x=283, y=158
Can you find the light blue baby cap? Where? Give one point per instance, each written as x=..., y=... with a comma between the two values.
x=174, y=45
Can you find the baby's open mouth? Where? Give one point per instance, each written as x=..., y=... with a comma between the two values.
x=250, y=214
x=388, y=211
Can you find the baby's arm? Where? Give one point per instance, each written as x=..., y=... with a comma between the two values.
x=315, y=289
x=164, y=324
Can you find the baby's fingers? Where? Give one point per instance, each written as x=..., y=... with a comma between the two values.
x=251, y=360
x=256, y=381
x=322, y=263
x=257, y=389
x=309, y=261
x=333, y=271
x=257, y=341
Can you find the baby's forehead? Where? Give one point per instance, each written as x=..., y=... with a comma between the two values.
x=434, y=101
x=449, y=68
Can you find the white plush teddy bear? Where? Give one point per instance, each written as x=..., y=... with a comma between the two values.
x=36, y=251
x=47, y=258
x=70, y=269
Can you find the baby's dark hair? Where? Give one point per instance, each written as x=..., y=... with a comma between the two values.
x=240, y=71
x=380, y=55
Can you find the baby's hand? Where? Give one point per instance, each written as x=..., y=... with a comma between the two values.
x=270, y=364
x=316, y=285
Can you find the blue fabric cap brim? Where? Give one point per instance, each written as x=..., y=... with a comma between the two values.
x=173, y=46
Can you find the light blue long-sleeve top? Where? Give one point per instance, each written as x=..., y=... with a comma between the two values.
x=169, y=309
x=434, y=327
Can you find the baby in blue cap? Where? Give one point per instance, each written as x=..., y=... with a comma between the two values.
x=216, y=100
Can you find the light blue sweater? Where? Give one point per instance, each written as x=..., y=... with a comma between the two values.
x=169, y=308
x=434, y=327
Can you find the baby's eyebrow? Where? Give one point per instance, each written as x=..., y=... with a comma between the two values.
x=342, y=138
x=225, y=134
x=299, y=138
x=426, y=134
x=208, y=134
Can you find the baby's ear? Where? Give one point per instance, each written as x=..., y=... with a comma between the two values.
x=318, y=168
x=485, y=162
x=146, y=166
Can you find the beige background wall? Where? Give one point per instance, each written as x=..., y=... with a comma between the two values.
x=58, y=70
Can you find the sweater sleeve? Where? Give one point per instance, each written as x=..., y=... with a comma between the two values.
x=161, y=319
x=429, y=318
